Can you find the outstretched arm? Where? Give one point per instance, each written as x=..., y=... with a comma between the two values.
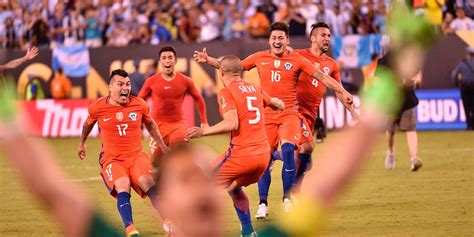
x=30, y=54
x=202, y=57
x=350, y=107
x=155, y=134
x=86, y=130
x=344, y=96
x=229, y=123
x=35, y=164
x=201, y=106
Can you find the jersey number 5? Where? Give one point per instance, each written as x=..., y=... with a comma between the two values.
x=251, y=108
x=122, y=129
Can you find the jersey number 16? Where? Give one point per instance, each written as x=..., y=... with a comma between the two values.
x=276, y=77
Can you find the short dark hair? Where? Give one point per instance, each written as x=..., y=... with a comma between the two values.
x=318, y=25
x=119, y=72
x=280, y=25
x=230, y=64
x=167, y=48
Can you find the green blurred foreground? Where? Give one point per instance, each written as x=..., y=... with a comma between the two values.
x=438, y=200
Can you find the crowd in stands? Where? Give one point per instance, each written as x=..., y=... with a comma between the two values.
x=95, y=23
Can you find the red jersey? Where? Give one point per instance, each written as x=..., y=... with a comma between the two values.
x=249, y=101
x=168, y=96
x=310, y=91
x=120, y=126
x=278, y=75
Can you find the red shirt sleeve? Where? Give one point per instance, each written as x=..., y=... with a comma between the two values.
x=146, y=89
x=201, y=106
x=145, y=110
x=250, y=62
x=226, y=101
x=93, y=113
x=306, y=66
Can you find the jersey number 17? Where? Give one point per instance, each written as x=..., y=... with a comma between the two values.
x=122, y=129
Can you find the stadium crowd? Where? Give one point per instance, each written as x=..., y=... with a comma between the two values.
x=48, y=23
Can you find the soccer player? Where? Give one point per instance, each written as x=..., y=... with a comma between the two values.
x=123, y=162
x=186, y=188
x=241, y=106
x=310, y=93
x=167, y=89
x=279, y=70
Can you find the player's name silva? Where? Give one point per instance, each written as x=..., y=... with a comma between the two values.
x=247, y=88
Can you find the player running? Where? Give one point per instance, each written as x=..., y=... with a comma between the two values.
x=310, y=95
x=123, y=162
x=279, y=70
x=167, y=89
x=248, y=156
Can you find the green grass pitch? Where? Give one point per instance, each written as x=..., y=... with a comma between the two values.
x=438, y=200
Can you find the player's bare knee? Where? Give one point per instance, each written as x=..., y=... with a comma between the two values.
x=307, y=148
x=122, y=184
x=145, y=182
x=233, y=187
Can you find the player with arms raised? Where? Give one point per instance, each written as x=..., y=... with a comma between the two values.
x=123, y=162
x=279, y=70
x=167, y=89
x=310, y=93
x=241, y=106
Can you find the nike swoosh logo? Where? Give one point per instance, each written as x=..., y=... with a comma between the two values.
x=264, y=63
x=124, y=204
x=167, y=87
x=106, y=119
x=287, y=170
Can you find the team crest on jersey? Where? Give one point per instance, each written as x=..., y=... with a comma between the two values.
x=119, y=116
x=306, y=134
x=133, y=116
x=276, y=63
x=326, y=70
x=288, y=66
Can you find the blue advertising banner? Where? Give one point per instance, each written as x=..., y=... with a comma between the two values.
x=437, y=110
x=440, y=110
